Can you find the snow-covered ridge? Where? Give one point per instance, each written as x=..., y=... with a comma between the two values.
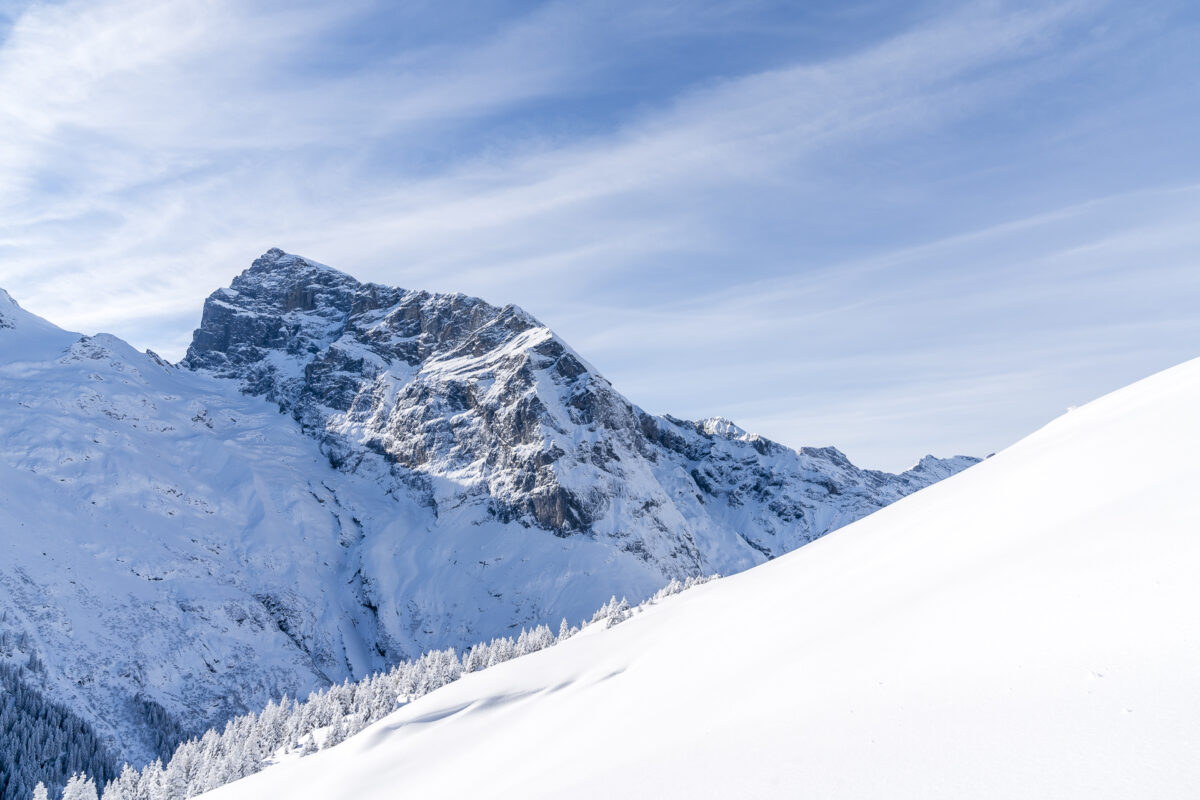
x=448, y=471
x=1024, y=629
x=720, y=426
x=490, y=416
x=7, y=305
x=25, y=336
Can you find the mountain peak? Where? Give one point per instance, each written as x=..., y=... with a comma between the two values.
x=933, y=468
x=10, y=310
x=285, y=310
x=26, y=335
x=7, y=304
x=277, y=259
x=498, y=419
x=722, y=426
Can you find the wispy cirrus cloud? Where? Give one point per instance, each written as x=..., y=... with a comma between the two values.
x=733, y=189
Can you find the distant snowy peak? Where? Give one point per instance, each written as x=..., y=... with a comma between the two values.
x=286, y=313
x=440, y=385
x=487, y=413
x=936, y=469
x=8, y=309
x=720, y=426
x=11, y=313
x=25, y=336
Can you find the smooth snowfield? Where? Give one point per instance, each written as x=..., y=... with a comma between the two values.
x=1027, y=628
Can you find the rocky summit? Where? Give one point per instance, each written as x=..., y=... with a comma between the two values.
x=486, y=414
x=445, y=471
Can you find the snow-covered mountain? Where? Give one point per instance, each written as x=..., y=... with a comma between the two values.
x=176, y=549
x=1025, y=629
x=485, y=414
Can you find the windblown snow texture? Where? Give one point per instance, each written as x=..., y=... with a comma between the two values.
x=176, y=550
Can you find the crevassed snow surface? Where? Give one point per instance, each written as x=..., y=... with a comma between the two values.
x=1027, y=628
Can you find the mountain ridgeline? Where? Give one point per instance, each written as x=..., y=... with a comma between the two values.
x=178, y=552
x=487, y=415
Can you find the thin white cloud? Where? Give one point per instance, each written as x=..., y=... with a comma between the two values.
x=160, y=88
x=156, y=148
x=966, y=343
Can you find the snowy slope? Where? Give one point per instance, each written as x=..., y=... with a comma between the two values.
x=1027, y=628
x=174, y=546
x=159, y=534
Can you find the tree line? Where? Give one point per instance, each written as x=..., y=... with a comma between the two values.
x=327, y=717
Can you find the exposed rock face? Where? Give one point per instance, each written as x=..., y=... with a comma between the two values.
x=485, y=411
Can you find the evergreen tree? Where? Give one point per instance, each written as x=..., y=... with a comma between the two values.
x=248, y=742
x=42, y=741
x=80, y=787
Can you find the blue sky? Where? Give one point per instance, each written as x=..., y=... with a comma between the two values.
x=897, y=228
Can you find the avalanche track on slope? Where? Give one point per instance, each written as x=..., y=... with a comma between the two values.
x=1027, y=628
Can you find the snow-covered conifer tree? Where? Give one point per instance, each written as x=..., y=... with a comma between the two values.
x=80, y=787
x=249, y=741
x=125, y=786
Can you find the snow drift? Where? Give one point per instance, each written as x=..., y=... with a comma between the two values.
x=1026, y=628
